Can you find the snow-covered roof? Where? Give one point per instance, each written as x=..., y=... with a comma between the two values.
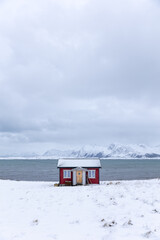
x=79, y=162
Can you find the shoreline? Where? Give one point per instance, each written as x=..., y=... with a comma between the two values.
x=39, y=158
x=87, y=185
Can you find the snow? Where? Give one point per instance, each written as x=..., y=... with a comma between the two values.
x=81, y=162
x=125, y=210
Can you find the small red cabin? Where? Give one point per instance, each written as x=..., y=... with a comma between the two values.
x=79, y=171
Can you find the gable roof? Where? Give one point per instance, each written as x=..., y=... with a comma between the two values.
x=78, y=162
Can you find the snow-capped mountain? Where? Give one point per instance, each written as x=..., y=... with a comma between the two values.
x=109, y=151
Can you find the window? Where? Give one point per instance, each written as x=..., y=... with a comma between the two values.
x=66, y=173
x=91, y=173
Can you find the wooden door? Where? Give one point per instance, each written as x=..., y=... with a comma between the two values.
x=79, y=177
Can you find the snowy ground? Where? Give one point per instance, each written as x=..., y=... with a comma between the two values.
x=126, y=210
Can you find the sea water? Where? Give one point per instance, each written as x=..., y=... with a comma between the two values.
x=46, y=170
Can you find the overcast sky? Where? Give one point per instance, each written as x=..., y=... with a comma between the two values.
x=75, y=72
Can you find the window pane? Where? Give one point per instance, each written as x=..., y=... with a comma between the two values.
x=91, y=174
x=66, y=173
x=69, y=173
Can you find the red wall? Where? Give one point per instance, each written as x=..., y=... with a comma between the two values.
x=61, y=179
x=94, y=180
x=91, y=180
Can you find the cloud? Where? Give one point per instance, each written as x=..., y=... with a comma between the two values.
x=79, y=71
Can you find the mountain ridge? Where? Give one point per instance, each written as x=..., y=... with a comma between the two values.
x=118, y=151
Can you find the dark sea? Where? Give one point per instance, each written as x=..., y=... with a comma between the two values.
x=46, y=170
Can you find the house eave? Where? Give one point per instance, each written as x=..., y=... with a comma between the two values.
x=78, y=167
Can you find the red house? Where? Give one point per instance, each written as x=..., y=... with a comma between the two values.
x=78, y=171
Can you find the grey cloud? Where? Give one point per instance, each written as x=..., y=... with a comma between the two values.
x=79, y=71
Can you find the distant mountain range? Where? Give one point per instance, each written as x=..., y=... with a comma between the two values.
x=110, y=151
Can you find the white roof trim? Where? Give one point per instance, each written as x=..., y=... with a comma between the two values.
x=78, y=162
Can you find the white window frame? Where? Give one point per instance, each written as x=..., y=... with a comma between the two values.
x=91, y=173
x=66, y=173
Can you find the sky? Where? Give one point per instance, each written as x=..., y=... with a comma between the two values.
x=78, y=72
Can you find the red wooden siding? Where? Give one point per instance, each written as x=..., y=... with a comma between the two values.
x=96, y=179
x=63, y=180
x=91, y=180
